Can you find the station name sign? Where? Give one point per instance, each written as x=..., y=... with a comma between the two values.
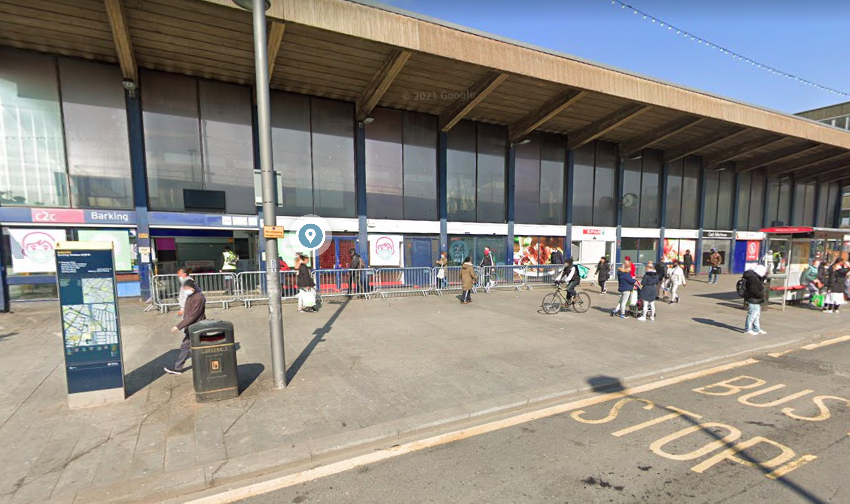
x=66, y=216
x=726, y=235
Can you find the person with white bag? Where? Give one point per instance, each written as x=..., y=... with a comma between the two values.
x=442, y=262
x=304, y=282
x=626, y=286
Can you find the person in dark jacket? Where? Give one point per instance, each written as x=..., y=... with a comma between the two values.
x=603, y=273
x=355, y=278
x=467, y=280
x=570, y=275
x=194, y=311
x=557, y=256
x=688, y=260
x=754, y=295
x=649, y=292
x=625, y=285
x=303, y=280
x=835, y=287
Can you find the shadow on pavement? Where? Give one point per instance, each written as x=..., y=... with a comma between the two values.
x=722, y=296
x=149, y=372
x=248, y=374
x=602, y=383
x=717, y=324
x=8, y=335
x=318, y=337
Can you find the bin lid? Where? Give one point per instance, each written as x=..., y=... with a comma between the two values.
x=211, y=327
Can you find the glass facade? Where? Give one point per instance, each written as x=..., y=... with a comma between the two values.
x=683, y=193
x=401, y=165
x=475, y=172
x=778, y=202
x=750, y=200
x=804, y=204
x=640, y=190
x=719, y=186
x=540, y=177
x=828, y=198
x=595, y=185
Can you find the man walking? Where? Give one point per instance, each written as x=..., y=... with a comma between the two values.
x=182, y=276
x=714, y=261
x=195, y=311
x=487, y=264
x=229, y=259
x=688, y=259
x=754, y=296
x=354, y=266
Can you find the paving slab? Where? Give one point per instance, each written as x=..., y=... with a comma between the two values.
x=360, y=371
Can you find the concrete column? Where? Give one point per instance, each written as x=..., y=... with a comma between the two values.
x=568, y=250
x=621, y=181
x=442, y=189
x=511, y=207
x=138, y=171
x=360, y=182
x=4, y=287
x=662, y=205
x=697, y=254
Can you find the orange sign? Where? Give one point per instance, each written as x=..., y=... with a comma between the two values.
x=273, y=231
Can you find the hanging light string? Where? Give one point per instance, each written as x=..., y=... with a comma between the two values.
x=724, y=50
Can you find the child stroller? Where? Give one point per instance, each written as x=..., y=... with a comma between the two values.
x=635, y=307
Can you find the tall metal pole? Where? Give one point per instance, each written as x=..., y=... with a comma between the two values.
x=264, y=133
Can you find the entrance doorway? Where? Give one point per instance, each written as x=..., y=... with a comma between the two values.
x=337, y=254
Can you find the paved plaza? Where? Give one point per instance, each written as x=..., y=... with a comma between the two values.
x=360, y=371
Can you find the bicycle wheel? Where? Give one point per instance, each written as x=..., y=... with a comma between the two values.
x=581, y=302
x=552, y=303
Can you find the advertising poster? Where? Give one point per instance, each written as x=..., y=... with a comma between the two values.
x=90, y=325
x=537, y=249
x=120, y=241
x=753, y=251
x=33, y=250
x=674, y=249
x=459, y=248
x=385, y=250
x=286, y=250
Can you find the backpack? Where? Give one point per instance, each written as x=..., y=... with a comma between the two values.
x=741, y=287
x=582, y=271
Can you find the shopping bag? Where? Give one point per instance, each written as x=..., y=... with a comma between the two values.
x=633, y=298
x=441, y=274
x=817, y=299
x=308, y=298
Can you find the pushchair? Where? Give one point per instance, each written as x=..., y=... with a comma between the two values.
x=635, y=307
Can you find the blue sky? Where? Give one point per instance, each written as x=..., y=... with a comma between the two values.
x=809, y=38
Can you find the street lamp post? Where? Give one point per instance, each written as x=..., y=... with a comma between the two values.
x=264, y=133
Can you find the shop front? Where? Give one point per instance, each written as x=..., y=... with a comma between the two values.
x=639, y=244
x=677, y=243
x=722, y=242
x=589, y=244
x=748, y=250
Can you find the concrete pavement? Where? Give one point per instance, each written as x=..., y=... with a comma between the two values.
x=362, y=371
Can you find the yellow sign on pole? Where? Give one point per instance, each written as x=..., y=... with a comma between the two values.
x=273, y=231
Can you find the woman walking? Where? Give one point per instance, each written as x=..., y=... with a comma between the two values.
x=648, y=292
x=467, y=280
x=304, y=280
x=835, y=286
x=603, y=273
x=677, y=279
x=625, y=285
x=442, y=262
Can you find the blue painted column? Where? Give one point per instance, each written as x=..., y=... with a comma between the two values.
x=511, y=161
x=662, y=189
x=138, y=169
x=443, y=189
x=568, y=242
x=360, y=182
x=697, y=253
x=4, y=287
x=836, y=219
x=621, y=182
x=735, y=210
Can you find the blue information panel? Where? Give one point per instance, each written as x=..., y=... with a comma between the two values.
x=90, y=327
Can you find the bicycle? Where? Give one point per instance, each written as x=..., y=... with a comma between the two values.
x=555, y=301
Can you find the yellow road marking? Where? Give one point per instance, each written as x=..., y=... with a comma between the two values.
x=832, y=341
x=776, y=355
x=271, y=485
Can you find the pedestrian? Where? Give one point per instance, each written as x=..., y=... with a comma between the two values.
x=625, y=285
x=677, y=279
x=754, y=295
x=287, y=286
x=570, y=275
x=355, y=265
x=229, y=260
x=195, y=311
x=557, y=256
x=182, y=276
x=688, y=260
x=714, y=262
x=486, y=264
x=631, y=266
x=809, y=279
x=835, y=286
x=768, y=261
x=467, y=279
x=442, y=262
x=603, y=273
x=649, y=292
x=304, y=280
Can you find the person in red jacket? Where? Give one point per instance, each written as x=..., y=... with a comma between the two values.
x=627, y=261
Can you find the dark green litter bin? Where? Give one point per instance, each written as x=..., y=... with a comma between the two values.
x=214, y=371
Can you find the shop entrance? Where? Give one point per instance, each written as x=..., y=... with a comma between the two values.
x=337, y=254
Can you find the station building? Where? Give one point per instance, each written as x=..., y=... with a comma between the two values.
x=134, y=121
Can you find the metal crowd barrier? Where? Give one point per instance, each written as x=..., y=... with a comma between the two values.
x=502, y=277
x=540, y=274
x=345, y=282
x=252, y=286
x=452, y=281
x=217, y=288
x=402, y=281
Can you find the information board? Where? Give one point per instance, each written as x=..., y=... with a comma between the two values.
x=91, y=331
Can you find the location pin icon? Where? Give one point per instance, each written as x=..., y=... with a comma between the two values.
x=311, y=235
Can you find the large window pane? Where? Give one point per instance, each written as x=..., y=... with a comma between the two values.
x=492, y=143
x=32, y=152
x=292, y=151
x=228, y=144
x=582, y=188
x=690, y=193
x=527, y=192
x=785, y=188
x=333, y=158
x=96, y=136
x=725, y=194
x=420, y=166
x=605, y=185
x=172, y=139
x=744, y=184
x=712, y=184
x=674, y=194
x=632, y=174
x=772, y=201
x=649, y=197
x=756, y=201
x=384, y=172
x=460, y=172
x=552, y=180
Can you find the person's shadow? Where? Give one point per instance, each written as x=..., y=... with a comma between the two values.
x=715, y=323
x=318, y=337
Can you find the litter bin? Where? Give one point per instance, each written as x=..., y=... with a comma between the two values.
x=213, y=360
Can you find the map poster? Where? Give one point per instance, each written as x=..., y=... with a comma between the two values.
x=91, y=332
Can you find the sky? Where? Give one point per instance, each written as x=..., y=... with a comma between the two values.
x=807, y=38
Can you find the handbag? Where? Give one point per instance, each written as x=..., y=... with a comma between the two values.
x=441, y=273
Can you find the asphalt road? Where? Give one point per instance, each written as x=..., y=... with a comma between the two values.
x=777, y=431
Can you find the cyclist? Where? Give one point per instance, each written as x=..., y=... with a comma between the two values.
x=571, y=277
